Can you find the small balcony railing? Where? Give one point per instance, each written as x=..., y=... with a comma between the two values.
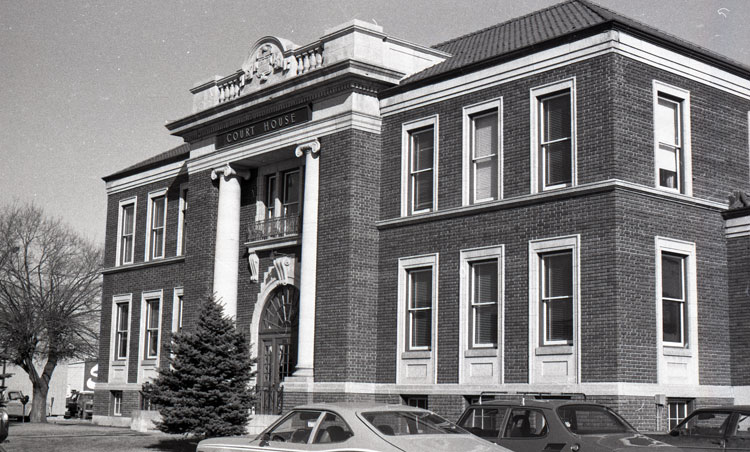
x=273, y=228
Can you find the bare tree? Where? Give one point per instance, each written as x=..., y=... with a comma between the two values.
x=50, y=296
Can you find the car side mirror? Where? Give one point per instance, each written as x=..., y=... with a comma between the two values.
x=264, y=440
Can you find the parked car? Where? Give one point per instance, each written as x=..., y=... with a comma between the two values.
x=4, y=425
x=365, y=427
x=555, y=425
x=712, y=429
x=79, y=405
x=18, y=406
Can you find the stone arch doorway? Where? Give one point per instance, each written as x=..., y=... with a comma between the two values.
x=277, y=346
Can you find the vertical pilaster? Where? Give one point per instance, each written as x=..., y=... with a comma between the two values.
x=226, y=260
x=308, y=277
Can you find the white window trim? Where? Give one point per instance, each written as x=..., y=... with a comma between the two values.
x=686, y=179
x=536, y=249
x=495, y=105
x=147, y=296
x=124, y=202
x=180, y=220
x=151, y=196
x=686, y=249
x=468, y=257
x=406, y=129
x=536, y=93
x=178, y=292
x=117, y=407
x=404, y=266
x=120, y=299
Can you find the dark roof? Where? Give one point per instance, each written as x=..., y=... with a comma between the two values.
x=549, y=26
x=181, y=152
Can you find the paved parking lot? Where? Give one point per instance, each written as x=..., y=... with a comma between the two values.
x=80, y=436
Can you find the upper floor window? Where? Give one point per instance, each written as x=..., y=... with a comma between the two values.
x=484, y=303
x=126, y=232
x=122, y=321
x=672, y=157
x=182, y=220
x=283, y=200
x=419, y=166
x=482, y=153
x=553, y=136
x=675, y=284
x=177, y=310
x=420, y=308
x=157, y=220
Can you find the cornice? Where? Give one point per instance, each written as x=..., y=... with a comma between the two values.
x=142, y=265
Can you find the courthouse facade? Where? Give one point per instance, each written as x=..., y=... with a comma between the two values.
x=555, y=204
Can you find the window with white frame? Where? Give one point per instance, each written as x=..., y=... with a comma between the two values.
x=672, y=138
x=483, y=298
x=556, y=294
x=482, y=170
x=157, y=220
x=677, y=411
x=420, y=308
x=182, y=220
x=117, y=403
x=122, y=322
x=676, y=286
x=126, y=232
x=177, y=310
x=151, y=347
x=419, y=166
x=553, y=150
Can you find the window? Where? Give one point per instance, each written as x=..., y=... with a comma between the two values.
x=182, y=220
x=417, y=401
x=484, y=422
x=291, y=196
x=677, y=411
x=126, y=232
x=152, y=328
x=484, y=301
x=121, y=333
x=557, y=297
x=525, y=423
x=553, y=136
x=676, y=284
x=482, y=153
x=332, y=429
x=271, y=196
x=157, y=218
x=117, y=403
x=672, y=138
x=177, y=309
x=420, y=309
x=419, y=167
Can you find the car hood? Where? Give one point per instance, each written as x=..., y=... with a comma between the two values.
x=624, y=442
x=443, y=443
x=245, y=444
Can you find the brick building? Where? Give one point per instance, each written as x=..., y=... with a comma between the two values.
x=539, y=206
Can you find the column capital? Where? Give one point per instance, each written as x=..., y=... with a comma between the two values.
x=312, y=146
x=228, y=171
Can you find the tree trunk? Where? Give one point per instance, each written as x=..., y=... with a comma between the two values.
x=39, y=401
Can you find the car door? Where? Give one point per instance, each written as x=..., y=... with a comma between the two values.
x=702, y=431
x=525, y=429
x=739, y=437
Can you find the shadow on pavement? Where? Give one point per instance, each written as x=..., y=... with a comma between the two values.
x=174, y=445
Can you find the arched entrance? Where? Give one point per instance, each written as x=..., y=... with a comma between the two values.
x=277, y=340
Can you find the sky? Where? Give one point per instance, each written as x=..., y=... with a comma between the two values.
x=86, y=87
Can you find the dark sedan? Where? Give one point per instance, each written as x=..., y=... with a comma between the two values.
x=712, y=429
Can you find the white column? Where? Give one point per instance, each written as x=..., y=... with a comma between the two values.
x=306, y=346
x=227, y=256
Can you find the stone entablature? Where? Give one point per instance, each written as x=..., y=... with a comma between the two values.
x=274, y=60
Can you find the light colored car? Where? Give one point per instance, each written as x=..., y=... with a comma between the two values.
x=357, y=427
x=18, y=405
x=709, y=429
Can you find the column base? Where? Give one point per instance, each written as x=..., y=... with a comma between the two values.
x=304, y=373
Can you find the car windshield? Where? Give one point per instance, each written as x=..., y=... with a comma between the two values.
x=402, y=423
x=592, y=420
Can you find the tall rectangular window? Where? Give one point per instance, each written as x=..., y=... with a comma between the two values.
x=677, y=411
x=421, y=153
x=672, y=138
x=292, y=191
x=420, y=309
x=484, y=303
x=178, y=323
x=673, y=298
x=271, y=195
x=484, y=157
x=121, y=334
x=182, y=221
x=158, y=217
x=557, y=297
x=127, y=233
x=117, y=403
x=555, y=139
x=152, y=328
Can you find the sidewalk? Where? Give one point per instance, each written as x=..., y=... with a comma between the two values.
x=63, y=435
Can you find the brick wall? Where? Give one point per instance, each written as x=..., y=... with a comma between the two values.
x=738, y=262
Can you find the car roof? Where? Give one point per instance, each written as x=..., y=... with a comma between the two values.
x=357, y=407
x=535, y=403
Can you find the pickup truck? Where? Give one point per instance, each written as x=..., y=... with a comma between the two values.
x=17, y=405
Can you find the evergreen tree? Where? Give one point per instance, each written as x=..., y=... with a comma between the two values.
x=205, y=391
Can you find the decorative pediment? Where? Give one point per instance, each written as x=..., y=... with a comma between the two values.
x=270, y=60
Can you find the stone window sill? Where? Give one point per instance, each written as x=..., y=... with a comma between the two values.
x=554, y=350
